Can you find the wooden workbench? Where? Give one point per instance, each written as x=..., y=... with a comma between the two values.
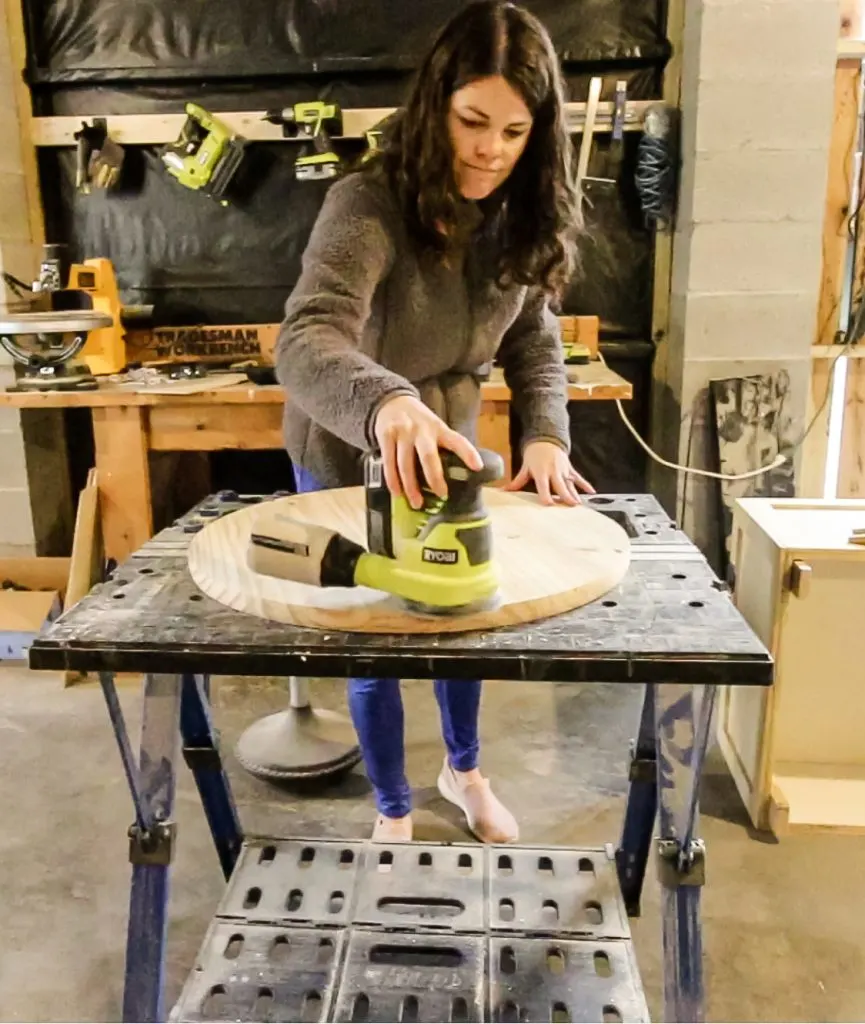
x=127, y=425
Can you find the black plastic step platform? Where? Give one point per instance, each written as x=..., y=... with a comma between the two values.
x=358, y=931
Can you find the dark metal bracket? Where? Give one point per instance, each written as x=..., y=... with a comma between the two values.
x=678, y=867
x=154, y=847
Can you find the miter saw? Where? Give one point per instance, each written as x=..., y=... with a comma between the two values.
x=69, y=334
x=437, y=560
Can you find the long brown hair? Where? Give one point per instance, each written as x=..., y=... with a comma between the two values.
x=538, y=209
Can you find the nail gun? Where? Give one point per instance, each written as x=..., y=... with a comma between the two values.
x=206, y=156
x=315, y=121
x=438, y=560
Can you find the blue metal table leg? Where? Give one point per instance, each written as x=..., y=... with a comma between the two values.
x=683, y=719
x=151, y=839
x=201, y=751
x=632, y=855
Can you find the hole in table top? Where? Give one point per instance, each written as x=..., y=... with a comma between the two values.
x=459, y=1010
x=555, y=960
x=409, y=1010
x=545, y=865
x=630, y=499
x=336, y=902
x=145, y=572
x=506, y=865
x=360, y=1009
x=252, y=898
x=267, y=855
x=601, y=501
x=295, y=898
x=679, y=576
x=603, y=967
x=425, y=859
x=550, y=912
x=233, y=947
x=307, y=856
x=215, y=1003
x=510, y=1013
x=594, y=914
x=609, y=604
x=611, y=1015
x=395, y=955
x=385, y=860
x=507, y=960
x=695, y=604
x=263, y=1004
x=325, y=952
x=118, y=597
x=311, y=1009
x=346, y=859
x=586, y=865
x=651, y=533
x=422, y=906
x=279, y=950
x=506, y=910
x=464, y=864
x=559, y=1014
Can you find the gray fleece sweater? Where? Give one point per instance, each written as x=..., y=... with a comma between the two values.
x=370, y=318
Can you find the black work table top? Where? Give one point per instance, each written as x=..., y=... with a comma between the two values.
x=669, y=620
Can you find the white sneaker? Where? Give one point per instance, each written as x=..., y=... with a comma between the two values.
x=392, y=830
x=489, y=820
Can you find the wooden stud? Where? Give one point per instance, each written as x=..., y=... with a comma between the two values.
x=120, y=441
x=13, y=12
x=851, y=472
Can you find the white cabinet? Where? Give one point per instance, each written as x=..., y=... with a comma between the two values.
x=797, y=750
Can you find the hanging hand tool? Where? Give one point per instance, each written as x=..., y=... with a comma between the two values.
x=98, y=157
x=589, y=129
x=437, y=559
x=206, y=156
x=316, y=122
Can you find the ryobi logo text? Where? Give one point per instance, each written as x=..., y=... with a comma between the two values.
x=440, y=557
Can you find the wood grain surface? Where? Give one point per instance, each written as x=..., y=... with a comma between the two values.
x=550, y=560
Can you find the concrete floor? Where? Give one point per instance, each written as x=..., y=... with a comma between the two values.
x=784, y=929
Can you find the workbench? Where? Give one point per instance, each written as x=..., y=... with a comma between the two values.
x=329, y=930
x=127, y=425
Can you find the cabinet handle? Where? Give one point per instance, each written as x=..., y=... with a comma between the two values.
x=800, y=579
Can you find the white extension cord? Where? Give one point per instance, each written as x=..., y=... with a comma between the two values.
x=779, y=460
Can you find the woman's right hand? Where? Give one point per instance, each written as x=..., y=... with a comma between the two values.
x=407, y=430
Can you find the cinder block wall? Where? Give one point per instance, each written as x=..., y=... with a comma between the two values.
x=19, y=255
x=757, y=94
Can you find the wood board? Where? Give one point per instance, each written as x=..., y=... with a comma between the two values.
x=551, y=560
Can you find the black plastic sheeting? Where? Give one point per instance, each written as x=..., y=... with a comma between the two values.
x=79, y=39
x=198, y=262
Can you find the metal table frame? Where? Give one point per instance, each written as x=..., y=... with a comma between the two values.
x=667, y=755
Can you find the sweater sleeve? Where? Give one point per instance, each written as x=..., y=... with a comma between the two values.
x=317, y=355
x=532, y=359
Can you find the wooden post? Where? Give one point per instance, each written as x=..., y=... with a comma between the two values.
x=123, y=472
x=836, y=239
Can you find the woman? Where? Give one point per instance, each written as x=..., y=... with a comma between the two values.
x=438, y=255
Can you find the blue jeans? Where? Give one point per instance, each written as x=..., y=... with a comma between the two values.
x=376, y=710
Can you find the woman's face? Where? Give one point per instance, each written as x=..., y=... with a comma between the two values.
x=489, y=125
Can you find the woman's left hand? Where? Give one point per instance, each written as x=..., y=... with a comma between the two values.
x=550, y=468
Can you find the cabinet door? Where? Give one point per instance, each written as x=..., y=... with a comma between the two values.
x=819, y=712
